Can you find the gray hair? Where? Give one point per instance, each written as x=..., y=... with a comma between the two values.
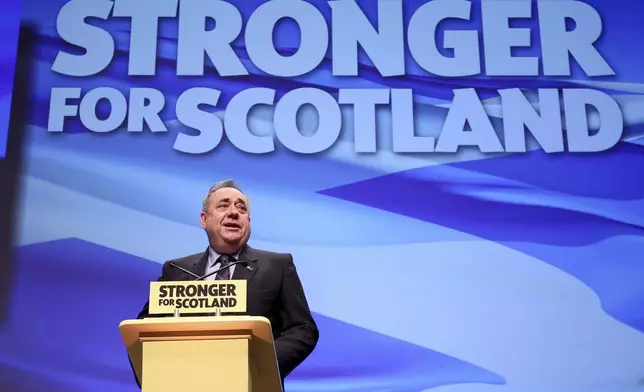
x=220, y=185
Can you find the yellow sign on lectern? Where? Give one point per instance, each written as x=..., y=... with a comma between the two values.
x=198, y=296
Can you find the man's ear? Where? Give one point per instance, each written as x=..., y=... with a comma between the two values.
x=202, y=217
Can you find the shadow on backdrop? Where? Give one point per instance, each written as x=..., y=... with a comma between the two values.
x=11, y=165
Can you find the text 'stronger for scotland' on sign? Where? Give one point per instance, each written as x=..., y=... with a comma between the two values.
x=198, y=297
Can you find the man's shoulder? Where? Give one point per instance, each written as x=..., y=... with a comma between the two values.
x=269, y=256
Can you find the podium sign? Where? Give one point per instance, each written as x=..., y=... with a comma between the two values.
x=198, y=296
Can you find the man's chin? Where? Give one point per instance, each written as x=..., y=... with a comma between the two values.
x=233, y=240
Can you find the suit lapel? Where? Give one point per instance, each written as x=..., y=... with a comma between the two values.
x=242, y=271
x=199, y=265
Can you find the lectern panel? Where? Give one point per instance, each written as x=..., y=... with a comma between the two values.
x=196, y=365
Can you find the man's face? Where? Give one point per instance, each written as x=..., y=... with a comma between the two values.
x=226, y=220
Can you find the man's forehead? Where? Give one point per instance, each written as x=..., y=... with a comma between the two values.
x=229, y=193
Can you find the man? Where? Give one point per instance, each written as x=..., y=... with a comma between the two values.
x=274, y=288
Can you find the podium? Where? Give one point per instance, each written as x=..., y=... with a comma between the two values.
x=204, y=353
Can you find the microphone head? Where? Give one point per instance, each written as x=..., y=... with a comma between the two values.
x=248, y=265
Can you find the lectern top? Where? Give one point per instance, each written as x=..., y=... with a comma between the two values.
x=257, y=327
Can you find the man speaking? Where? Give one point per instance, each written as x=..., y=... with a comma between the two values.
x=274, y=288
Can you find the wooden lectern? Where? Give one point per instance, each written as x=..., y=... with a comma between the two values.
x=199, y=354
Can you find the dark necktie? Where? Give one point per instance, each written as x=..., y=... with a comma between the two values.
x=224, y=261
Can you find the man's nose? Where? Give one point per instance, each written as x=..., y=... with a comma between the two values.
x=233, y=213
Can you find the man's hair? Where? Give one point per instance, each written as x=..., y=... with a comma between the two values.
x=217, y=186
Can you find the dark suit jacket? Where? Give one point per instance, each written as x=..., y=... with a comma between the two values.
x=274, y=292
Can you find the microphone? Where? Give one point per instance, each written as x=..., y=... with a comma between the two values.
x=172, y=264
x=197, y=277
x=223, y=268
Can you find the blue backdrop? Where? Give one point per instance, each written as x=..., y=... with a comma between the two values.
x=456, y=270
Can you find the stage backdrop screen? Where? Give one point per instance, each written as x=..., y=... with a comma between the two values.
x=459, y=183
x=9, y=28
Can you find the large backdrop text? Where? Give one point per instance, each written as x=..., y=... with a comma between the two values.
x=560, y=121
